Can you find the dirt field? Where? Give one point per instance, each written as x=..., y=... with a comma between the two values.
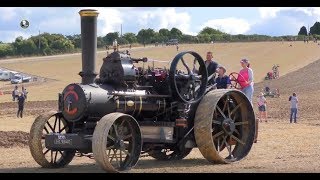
x=281, y=147
x=263, y=55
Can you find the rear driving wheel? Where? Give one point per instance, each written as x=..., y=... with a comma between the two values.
x=224, y=126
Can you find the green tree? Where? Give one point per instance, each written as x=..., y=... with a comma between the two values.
x=204, y=38
x=76, y=40
x=303, y=31
x=25, y=47
x=6, y=50
x=210, y=31
x=130, y=37
x=145, y=36
x=164, y=34
x=122, y=41
x=175, y=33
x=110, y=37
x=315, y=29
x=100, y=42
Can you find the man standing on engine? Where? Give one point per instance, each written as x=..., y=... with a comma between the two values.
x=211, y=66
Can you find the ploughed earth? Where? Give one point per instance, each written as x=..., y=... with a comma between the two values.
x=281, y=147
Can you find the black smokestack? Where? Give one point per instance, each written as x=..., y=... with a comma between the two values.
x=88, y=44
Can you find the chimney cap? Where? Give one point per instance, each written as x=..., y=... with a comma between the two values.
x=88, y=12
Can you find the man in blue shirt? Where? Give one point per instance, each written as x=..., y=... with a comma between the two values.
x=223, y=81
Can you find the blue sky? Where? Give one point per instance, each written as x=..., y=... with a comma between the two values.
x=234, y=20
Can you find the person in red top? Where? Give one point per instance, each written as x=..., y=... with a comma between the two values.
x=245, y=79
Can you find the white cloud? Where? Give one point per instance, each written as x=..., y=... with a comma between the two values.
x=155, y=18
x=158, y=18
x=271, y=12
x=55, y=24
x=9, y=13
x=169, y=18
x=112, y=19
x=10, y=36
x=229, y=25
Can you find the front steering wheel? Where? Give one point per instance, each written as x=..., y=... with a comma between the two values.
x=191, y=86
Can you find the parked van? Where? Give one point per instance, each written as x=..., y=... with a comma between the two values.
x=7, y=75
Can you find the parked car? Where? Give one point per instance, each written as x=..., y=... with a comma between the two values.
x=20, y=79
x=172, y=42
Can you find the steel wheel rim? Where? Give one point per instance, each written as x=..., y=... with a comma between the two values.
x=121, y=144
x=229, y=130
x=54, y=125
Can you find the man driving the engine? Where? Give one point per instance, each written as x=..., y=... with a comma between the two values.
x=211, y=66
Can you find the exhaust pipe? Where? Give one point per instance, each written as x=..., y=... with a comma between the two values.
x=88, y=45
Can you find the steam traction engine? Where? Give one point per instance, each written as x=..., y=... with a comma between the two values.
x=131, y=110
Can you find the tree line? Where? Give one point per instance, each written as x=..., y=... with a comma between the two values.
x=314, y=31
x=49, y=44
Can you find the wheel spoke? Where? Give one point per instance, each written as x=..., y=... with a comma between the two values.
x=46, y=130
x=127, y=136
x=236, y=131
x=237, y=139
x=221, y=112
x=110, y=147
x=62, y=155
x=55, y=123
x=229, y=115
x=59, y=124
x=115, y=130
x=125, y=152
x=55, y=157
x=115, y=152
x=228, y=147
x=217, y=135
x=51, y=156
x=241, y=123
x=120, y=156
x=121, y=124
x=235, y=109
x=218, y=145
x=185, y=65
x=63, y=128
x=235, y=115
x=46, y=152
x=216, y=122
x=109, y=153
x=50, y=127
x=112, y=138
x=225, y=105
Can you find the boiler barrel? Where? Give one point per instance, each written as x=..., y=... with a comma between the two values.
x=136, y=105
